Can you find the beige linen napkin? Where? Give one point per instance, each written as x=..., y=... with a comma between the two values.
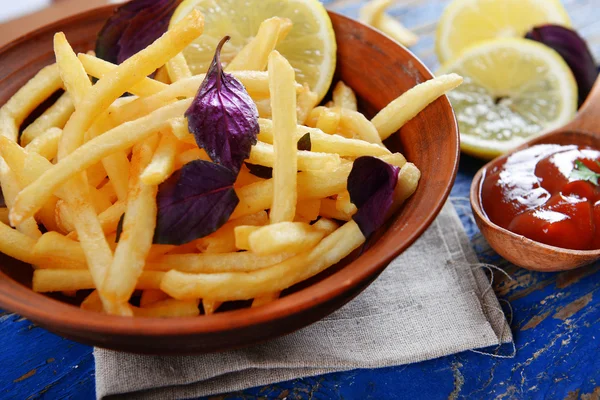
x=431, y=301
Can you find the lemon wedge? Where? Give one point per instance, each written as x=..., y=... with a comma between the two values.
x=310, y=47
x=513, y=90
x=466, y=22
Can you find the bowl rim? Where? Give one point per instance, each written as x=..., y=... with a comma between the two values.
x=66, y=317
x=480, y=215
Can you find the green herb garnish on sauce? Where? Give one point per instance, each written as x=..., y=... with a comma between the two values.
x=583, y=173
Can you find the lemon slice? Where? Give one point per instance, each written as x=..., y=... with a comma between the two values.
x=466, y=22
x=310, y=46
x=513, y=89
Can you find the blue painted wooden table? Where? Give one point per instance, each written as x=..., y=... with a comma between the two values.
x=555, y=316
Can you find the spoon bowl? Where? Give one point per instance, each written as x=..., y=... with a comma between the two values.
x=584, y=130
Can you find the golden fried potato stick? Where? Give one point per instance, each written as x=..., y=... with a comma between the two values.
x=265, y=299
x=255, y=55
x=53, y=245
x=96, y=174
x=162, y=75
x=117, y=139
x=109, y=219
x=138, y=229
x=215, y=263
x=223, y=240
x=108, y=191
x=344, y=204
x=98, y=68
x=408, y=180
x=16, y=244
x=10, y=189
x=4, y=215
x=151, y=296
x=344, y=97
x=324, y=143
x=329, y=119
x=46, y=144
x=178, y=68
x=169, y=308
x=59, y=280
x=285, y=166
x=249, y=285
x=56, y=116
x=27, y=99
x=210, y=306
x=290, y=237
x=163, y=161
x=412, y=102
x=329, y=210
x=242, y=233
x=264, y=154
x=307, y=210
x=306, y=101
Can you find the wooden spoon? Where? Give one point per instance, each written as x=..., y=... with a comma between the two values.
x=584, y=130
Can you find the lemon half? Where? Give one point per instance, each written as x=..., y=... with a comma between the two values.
x=466, y=22
x=513, y=89
x=310, y=47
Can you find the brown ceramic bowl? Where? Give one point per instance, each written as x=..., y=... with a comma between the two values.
x=379, y=70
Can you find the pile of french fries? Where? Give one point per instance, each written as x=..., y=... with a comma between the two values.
x=93, y=156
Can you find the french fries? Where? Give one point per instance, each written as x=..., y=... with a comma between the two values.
x=409, y=104
x=248, y=285
x=283, y=103
x=90, y=168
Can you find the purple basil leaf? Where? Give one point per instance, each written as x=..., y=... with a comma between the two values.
x=133, y=27
x=371, y=184
x=194, y=202
x=575, y=52
x=223, y=117
x=260, y=170
x=120, y=228
x=304, y=143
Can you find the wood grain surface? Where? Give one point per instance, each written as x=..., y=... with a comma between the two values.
x=555, y=316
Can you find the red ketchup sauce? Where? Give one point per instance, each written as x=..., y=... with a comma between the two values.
x=535, y=193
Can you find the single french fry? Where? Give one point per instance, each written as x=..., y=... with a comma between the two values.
x=58, y=280
x=215, y=263
x=76, y=80
x=308, y=210
x=249, y=285
x=120, y=138
x=169, y=308
x=159, y=250
x=329, y=119
x=223, y=240
x=324, y=143
x=178, y=68
x=245, y=178
x=46, y=144
x=306, y=101
x=344, y=97
x=290, y=237
x=96, y=174
x=152, y=296
x=64, y=218
x=109, y=219
x=255, y=55
x=408, y=180
x=265, y=299
x=179, y=127
x=242, y=233
x=264, y=108
x=10, y=188
x=285, y=165
x=329, y=210
x=412, y=102
x=344, y=204
x=108, y=191
x=53, y=245
x=190, y=155
x=16, y=244
x=162, y=75
x=27, y=99
x=163, y=161
x=264, y=154
x=210, y=306
x=56, y=116
x=349, y=123
x=138, y=229
x=98, y=68
x=116, y=166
